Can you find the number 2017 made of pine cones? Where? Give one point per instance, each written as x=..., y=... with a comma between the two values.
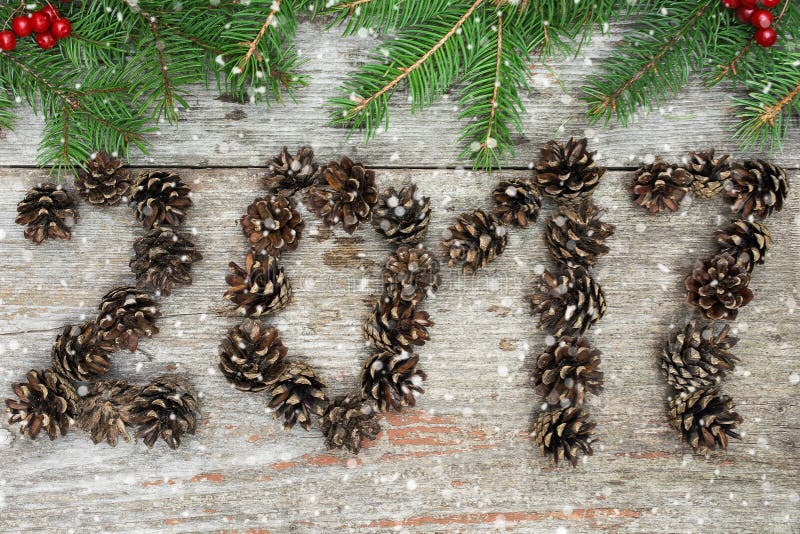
x=697, y=357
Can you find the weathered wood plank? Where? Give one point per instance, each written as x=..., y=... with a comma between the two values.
x=462, y=460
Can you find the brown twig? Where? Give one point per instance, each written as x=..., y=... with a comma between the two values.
x=770, y=112
x=251, y=49
x=498, y=64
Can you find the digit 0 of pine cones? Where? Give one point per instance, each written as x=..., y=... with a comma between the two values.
x=348, y=421
x=162, y=259
x=577, y=235
x=402, y=217
x=567, y=370
x=697, y=357
x=746, y=241
x=568, y=303
x=296, y=395
x=127, y=314
x=47, y=212
x=260, y=288
x=709, y=173
x=80, y=354
x=159, y=199
x=396, y=325
x=47, y=401
x=718, y=287
x=757, y=188
x=392, y=380
x=105, y=410
x=564, y=433
x=517, y=201
x=410, y=273
x=705, y=418
x=568, y=173
x=272, y=225
x=475, y=239
x=289, y=174
x=344, y=193
x=166, y=408
x=102, y=180
x=251, y=355
x=661, y=186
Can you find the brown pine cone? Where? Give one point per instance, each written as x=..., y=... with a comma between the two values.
x=126, y=314
x=564, y=433
x=577, y=235
x=705, y=418
x=696, y=358
x=344, y=193
x=402, y=217
x=348, y=421
x=517, y=201
x=166, y=408
x=162, y=258
x=102, y=180
x=757, y=187
x=411, y=273
x=393, y=380
x=47, y=212
x=251, y=355
x=105, y=410
x=718, y=286
x=296, y=394
x=260, y=288
x=395, y=325
x=566, y=371
x=568, y=173
x=660, y=186
x=568, y=303
x=80, y=354
x=160, y=199
x=746, y=241
x=475, y=239
x=272, y=225
x=46, y=401
x=287, y=174
x=710, y=173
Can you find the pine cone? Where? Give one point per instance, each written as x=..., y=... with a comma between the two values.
x=705, y=418
x=160, y=199
x=718, y=287
x=80, y=354
x=47, y=401
x=287, y=175
x=476, y=239
x=569, y=303
x=577, y=236
x=47, y=212
x=696, y=358
x=568, y=173
x=162, y=259
x=746, y=241
x=105, y=410
x=393, y=380
x=345, y=192
x=517, y=201
x=564, y=433
x=710, y=174
x=103, y=180
x=349, y=420
x=660, y=186
x=402, y=217
x=757, y=187
x=296, y=394
x=126, y=314
x=396, y=325
x=251, y=355
x=165, y=408
x=411, y=273
x=566, y=371
x=261, y=288
x=272, y=225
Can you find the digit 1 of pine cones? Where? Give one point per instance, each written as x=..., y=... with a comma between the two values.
x=272, y=225
x=344, y=193
x=348, y=421
x=252, y=355
x=296, y=395
x=517, y=201
x=697, y=357
x=564, y=433
x=79, y=352
x=396, y=325
x=47, y=212
x=127, y=314
x=475, y=240
x=260, y=288
x=660, y=186
x=566, y=371
x=568, y=303
x=411, y=273
x=289, y=174
x=705, y=419
x=568, y=173
x=392, y=380
x=102, y=180
x=402, y=217
x=160, y=199
x=47, y=401
x=166, y=408
x=710, y=173
x=162, y=259
x=757, y=188
x=746, y=241
x=718, y=287
x=577, y=235
x=105, y=411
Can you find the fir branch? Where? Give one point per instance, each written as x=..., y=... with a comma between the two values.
x=383, y=15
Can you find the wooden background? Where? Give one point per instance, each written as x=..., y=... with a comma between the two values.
x=463, y=460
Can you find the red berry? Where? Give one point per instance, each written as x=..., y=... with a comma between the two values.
x=749, y=3
x=766, y=37
x=45, y=40
x=50, y=11
x=61, y=28
x=769, y=4
x=22, y=26
x=7, y=41
x=745, y=13
x=761, y=19
x=39, y=22
x=730, y=4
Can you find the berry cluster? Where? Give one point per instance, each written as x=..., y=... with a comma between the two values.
x=47, y=25
x=749, y=12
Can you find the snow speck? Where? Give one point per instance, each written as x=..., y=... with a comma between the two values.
x=411, y=485
x=641, y=227
x=5, y=438
x=794, y=379
x=502, y=370
x=663, y=268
